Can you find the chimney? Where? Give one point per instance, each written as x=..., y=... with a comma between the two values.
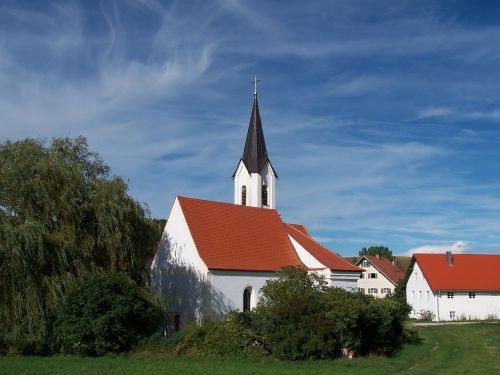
x=449, y=258
x=378, y=256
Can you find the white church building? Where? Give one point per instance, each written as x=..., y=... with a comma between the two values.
x=454, y=286
x=215, y=257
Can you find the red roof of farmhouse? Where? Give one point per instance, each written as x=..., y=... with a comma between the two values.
x=468, y=271
x=234, y=237
x=385, y=266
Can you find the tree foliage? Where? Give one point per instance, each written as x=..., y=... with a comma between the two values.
x=302, y=318
x=104, y=312
x=61, y=215
x=292, y=318
x=381, y=251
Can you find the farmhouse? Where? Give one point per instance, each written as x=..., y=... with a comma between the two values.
x=215, y=257
x=454, y=286
x=380, y=276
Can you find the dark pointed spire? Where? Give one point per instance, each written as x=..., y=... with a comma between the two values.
x=255, y=152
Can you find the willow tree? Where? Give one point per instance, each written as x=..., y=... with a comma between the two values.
x=61, y=215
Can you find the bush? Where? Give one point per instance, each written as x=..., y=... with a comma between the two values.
x=383, y=327
x=427, y=315
x=302, y=318
x=104, y=313
x=292, y=317
x=224, y=338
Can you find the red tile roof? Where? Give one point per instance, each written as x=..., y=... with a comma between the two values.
x=301, y=228
x=235, y=237
x=385, y=266
x=321, y=253
x=469, y=271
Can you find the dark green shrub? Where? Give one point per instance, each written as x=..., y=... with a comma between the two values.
x=223, y=338
x=302, y=318
x=346, y=311
x=154, y=344
x=383, y=327
x=292, y=318
x=105, y=312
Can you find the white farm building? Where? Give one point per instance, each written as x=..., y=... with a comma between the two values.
x=380, y=277
x=454, y=286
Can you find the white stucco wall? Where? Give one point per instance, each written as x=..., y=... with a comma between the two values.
x=254, y=183
x=380, y=282
x=419, y=294
x=178, y=242
x=344, y=279
x=230, y=285
x=306, y=257
x=422, y=298
x=178, y=272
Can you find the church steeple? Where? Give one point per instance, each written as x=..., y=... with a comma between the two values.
x=255, y=178
x=255, y=152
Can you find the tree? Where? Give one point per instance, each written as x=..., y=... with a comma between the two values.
x=104, y=312
x=292, y=318
x=302, y=318
x=61, y=216
x=381, y=251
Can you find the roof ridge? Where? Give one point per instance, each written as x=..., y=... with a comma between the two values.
x=228, y=204
x=310, y=238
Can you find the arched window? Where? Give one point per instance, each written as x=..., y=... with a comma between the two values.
x=247, y=294
x=244, y=195
x=264, y=196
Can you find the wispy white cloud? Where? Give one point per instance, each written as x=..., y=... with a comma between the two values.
x=457, y=247
x=434, y=112
x=490, y=115
x=360, y=85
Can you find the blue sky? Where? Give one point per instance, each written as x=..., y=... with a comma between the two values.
x=381, y=118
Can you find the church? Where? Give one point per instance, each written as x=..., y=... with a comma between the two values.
x=215, y=257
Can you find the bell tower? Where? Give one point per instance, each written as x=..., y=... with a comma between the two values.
x=255, y=178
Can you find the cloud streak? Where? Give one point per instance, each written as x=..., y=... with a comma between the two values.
x=457, y=247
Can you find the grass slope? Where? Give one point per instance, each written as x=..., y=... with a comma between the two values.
x=451, y=349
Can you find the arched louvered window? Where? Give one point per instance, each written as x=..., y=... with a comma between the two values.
x=264, y=196
x=247, y=294
x=244, y=195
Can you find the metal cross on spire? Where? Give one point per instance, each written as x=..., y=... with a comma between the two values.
x=255, y=86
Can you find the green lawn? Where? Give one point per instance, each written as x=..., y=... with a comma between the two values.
x=457, y=349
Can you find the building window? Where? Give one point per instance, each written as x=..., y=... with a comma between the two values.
x=362, y=290
x=472, y=294
x=420, y=294
x=372, y=275
x=264, y=196
x=365, y=264
x=428, y=295
x=416, y=275
x=386, y=290
x=244, y=195
x=452, y=314
x=247, y=294
x=362, y=276
x=451, y=294
x=372, y=290
x=412, y=294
